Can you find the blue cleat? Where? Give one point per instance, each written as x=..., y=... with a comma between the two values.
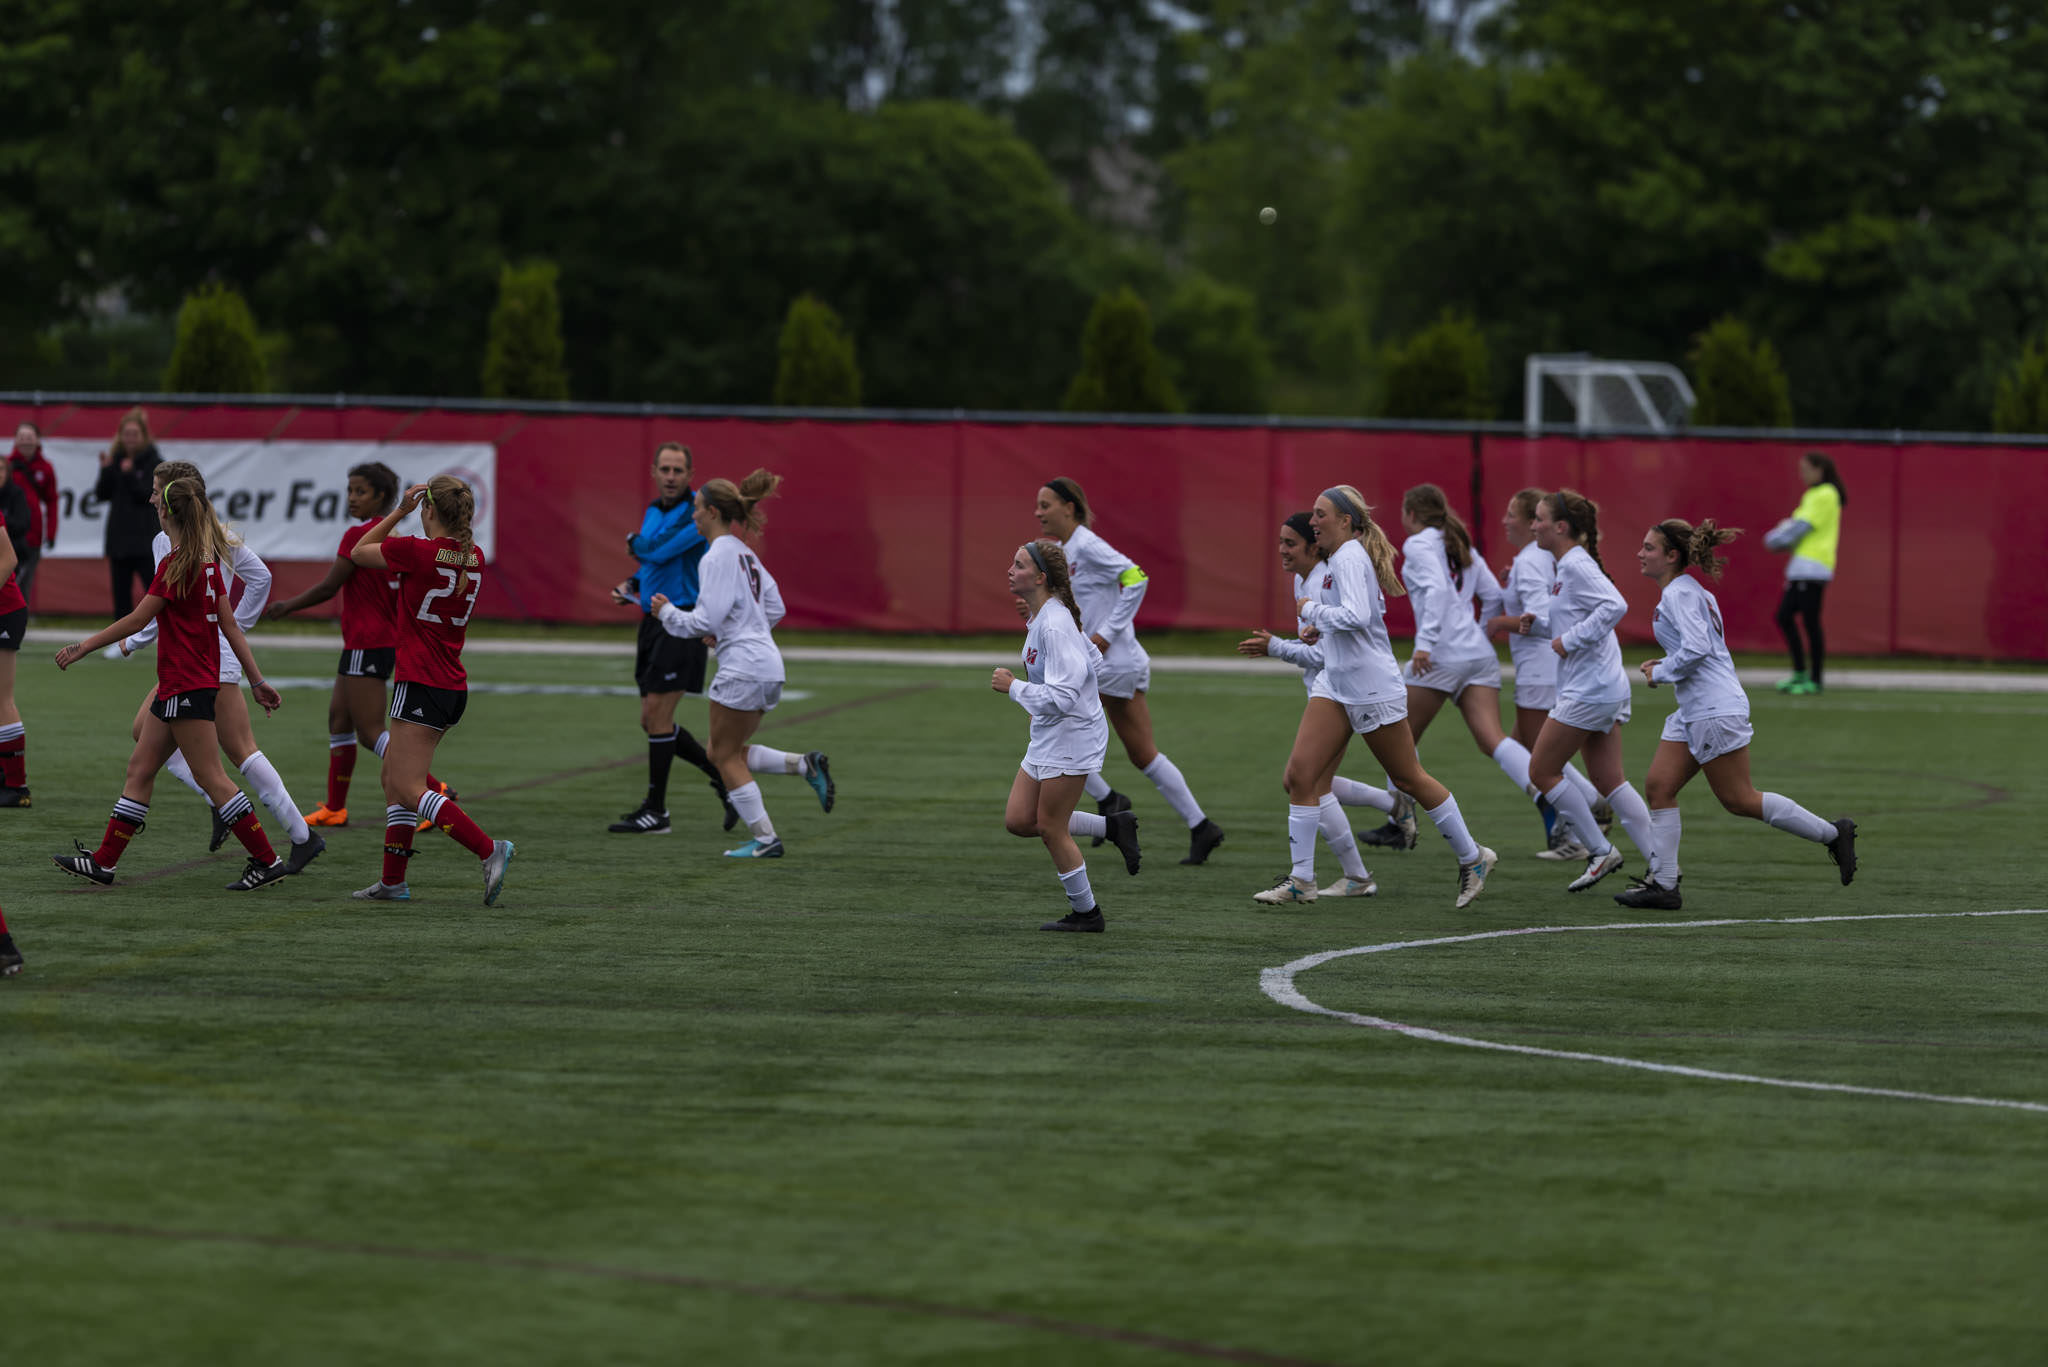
x=820, y=778
x=758, y=849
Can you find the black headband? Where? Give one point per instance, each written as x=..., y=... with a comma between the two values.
x=1064, y=490
x=1341, y=501
x=1300, y=523
x=1037, y=558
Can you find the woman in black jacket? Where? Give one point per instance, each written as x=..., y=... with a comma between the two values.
x=124, y=487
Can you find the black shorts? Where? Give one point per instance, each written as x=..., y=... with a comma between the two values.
x=194, y=706
x=668, y=664
x=16, y=622
x=368, y=664
x=438, y=708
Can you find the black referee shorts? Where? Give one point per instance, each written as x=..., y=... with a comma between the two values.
x=668, y=664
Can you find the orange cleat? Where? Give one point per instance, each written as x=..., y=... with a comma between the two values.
x=324, y=815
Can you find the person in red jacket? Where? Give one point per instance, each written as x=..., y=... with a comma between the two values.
x=30, y=470
x=13, y=736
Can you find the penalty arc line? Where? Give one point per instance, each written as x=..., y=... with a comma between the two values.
x=1278, y=983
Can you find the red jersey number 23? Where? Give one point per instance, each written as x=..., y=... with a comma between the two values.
x=448, y=590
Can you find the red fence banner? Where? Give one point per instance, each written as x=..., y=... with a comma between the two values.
x=906, y=524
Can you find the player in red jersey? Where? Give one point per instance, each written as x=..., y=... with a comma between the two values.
x=10, y=957
x=369, y=640
x=13, y=736
x=439, y=576
x=185, y=600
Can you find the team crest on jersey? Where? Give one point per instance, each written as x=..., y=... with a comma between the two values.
x=1329, y=581
x=1556, y=587
x=1031, y=656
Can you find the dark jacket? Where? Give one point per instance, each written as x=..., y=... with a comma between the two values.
x=15, y=514
x=131, y=522
x=37, y=480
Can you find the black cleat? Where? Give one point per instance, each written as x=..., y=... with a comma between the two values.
x=1388, y=836
x=14, y=797
x=1089, y=921
x=1202, y=842
x=820, y=779
x=305, y=852
x=732, y=813
x=645, y=821
x=258, y=874
x=10, y=957
x=1645, y=895
x=83, y=865
x=221, y=831
x=1109, y=806
x=1842, y=849
x=1123, y=833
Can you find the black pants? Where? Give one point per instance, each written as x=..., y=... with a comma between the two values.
x=25, y=572
x=127, y=569
x=1801, y=603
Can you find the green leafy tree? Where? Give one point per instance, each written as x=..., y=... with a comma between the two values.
x=523, y=357
x=1737, y=378
x=2022, y=403
x=1441, y=372
x=815, y=364
x=1215, y=357
x=1120, y=369
x=217, y=351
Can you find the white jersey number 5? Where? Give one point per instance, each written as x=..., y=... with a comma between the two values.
x=447, y=590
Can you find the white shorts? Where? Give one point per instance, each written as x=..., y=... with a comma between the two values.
x=1319, y=686
x=1454, y=677
x=1709, y=738
x=744, y=695
x=1371, y=716
x=1590, y=715
x=1126, y=683
x=1537, y=697
x=230, y=667
x=1059, y=768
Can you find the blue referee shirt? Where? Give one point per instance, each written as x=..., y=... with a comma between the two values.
x=669, y=548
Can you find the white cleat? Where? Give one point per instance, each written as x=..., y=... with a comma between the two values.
x=1287, y=891
x=384, y=892
x=1351, y=887
x=1597, y=867
x=1472, y=877
x=1567, y=851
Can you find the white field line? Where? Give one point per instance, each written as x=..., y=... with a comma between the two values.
x=1278, y=983
x=1917, y=680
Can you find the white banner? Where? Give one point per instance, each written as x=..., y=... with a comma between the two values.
x=288, y=500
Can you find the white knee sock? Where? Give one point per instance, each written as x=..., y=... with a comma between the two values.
x=1788, y=815
x=182, y=771
x=1352, y=793
x=263, y=777
x=1578, y=780
x=1097, y=787
x=1301, y=840
x=762, y=760
x=1174, y=789
x=1450, y=824
x=1634, y=815
x=1513, y=758
x=747, y=802
x=1577, y=812
x=1337, y=835
x=1074, y=883
x=1087, y=823
x=1664, y=863
x=383, y=739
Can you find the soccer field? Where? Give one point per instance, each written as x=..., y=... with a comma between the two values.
x=849, y=1107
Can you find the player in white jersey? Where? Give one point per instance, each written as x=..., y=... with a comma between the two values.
x=737, y=608
x=1061, y=689
x=1710, y=728
x=247, y=580
x=1592, y=687
x=1302, y=559
x=1360, y=691
x=1526, y=588
x=1109, y=586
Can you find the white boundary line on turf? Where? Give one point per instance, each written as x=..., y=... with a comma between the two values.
x=1278, y=983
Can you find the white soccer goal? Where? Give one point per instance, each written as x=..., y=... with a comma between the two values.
x=1643, y=395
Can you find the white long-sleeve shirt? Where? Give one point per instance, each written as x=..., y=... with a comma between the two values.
x=1302, y=654
x=1527, y=589
x=738, y=604
x=1696, y=661
x=1585, y=607
x=1442, y=598
x=1062, y=677
x=1351, y=615
x=1108, y=588
x=243, y=575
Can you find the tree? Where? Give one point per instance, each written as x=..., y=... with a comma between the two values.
x=815, y=365
x=217, y=351
x=523, y=357
x=1215, y=358
x=1441, y=372
x=1120, y=371
x=2022, y=404
x=1737, y=378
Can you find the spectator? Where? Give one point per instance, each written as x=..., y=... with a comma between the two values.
x=29, y=470
x=124, y=486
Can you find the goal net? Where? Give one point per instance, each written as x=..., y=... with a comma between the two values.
x=1602, y=395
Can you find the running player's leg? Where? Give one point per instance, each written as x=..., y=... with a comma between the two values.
x=341, y=756
x=1604, y=761
x=1132, y=719
x=238, y=743
x=1394, y=747
x=13, y=736
x=1728, y=776
x=730, y=731
x=153, y=745
x=199, y=739
x=1319, y=742
x=1055, y=801
x=1671, y=768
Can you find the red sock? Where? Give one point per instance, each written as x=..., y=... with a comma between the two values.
x=249, y=831
x=3, y=923
x=14, y=762
x=122, y=827
x=341, y=767
x=398, y=829
x=443, y=812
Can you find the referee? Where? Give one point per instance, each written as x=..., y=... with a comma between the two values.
x=668, y=547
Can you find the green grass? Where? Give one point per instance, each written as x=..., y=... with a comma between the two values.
x=850, y=1107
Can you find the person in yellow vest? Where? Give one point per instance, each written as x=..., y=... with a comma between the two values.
x=1811, y=536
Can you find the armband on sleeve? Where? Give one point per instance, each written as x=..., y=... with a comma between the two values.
x=1131, y=576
